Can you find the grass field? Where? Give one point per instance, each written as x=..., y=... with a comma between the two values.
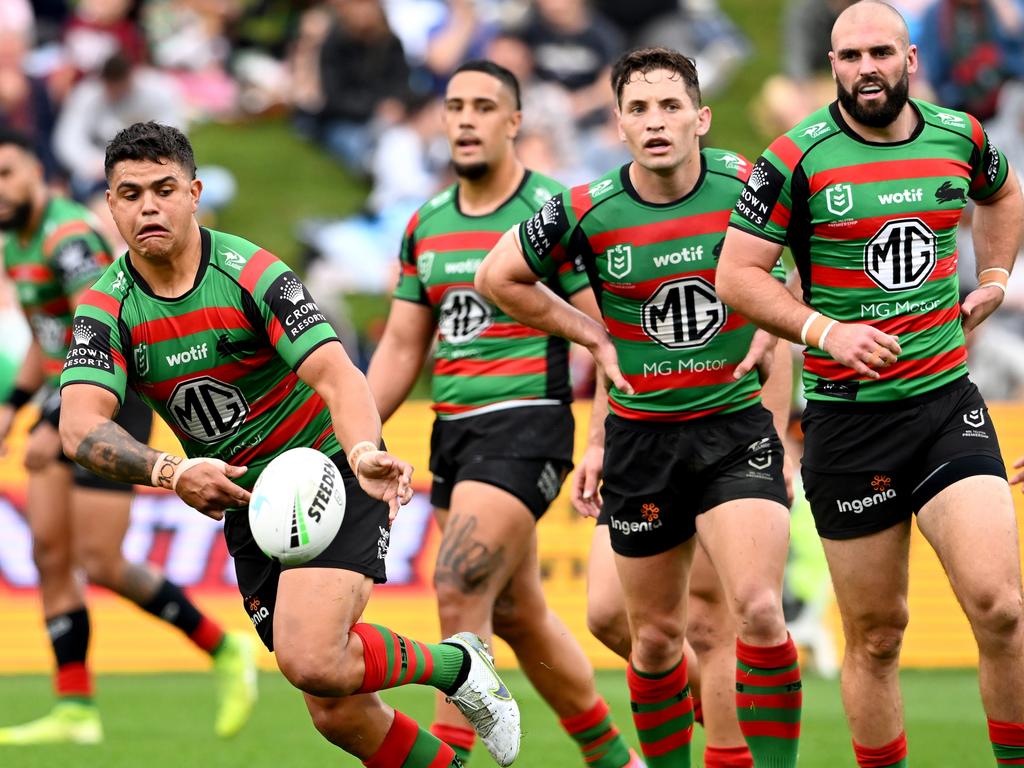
x=164, y=721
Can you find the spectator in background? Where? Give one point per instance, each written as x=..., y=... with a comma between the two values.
x=969, y=49
x=805, y=83
x=573, y=45
x=96, y=30
x=339, y=60
x=100, y=106
x=26, y=104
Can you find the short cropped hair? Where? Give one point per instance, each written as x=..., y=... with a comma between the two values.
x=496, y=71
x=150, y=141
x=644, y=60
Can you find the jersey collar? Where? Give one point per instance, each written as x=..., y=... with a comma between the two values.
x=627, y=184
x=204, y=262
x=837, y=115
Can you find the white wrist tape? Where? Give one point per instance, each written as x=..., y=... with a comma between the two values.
x=824, y=334
x=359, y=452
x=807, y=324
x=169, y=468
x=994, y=284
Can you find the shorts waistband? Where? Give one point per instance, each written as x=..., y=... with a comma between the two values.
x=889, y=406
x=642, y=425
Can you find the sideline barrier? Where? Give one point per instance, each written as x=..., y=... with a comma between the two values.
x=191, y=549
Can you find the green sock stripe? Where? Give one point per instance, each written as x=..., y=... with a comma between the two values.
x=424, y=751
x=765, y=672
x=1007, y=752
x=769, y=690
x=388, y=638
x=770, y=714
x=461, y=752
x=76, y=699
x=587, y=736
x=659, y=732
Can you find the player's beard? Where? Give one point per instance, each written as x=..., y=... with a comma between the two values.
x=883, y=112
x=18, y=219
x=471, y=171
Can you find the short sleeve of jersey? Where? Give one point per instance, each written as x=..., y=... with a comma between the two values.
x=545, y=238
x=78, y=261
x=766, y=199
x=293, y=320
x=95, y=355
x=989, y=167
x=410, y=287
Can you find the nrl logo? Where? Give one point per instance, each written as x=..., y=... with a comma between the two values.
x=424, y=264
x=620, y=260
x=839, y=198
x=816, y=130
x=975, y=418
x=948, y=119
x=142, y=359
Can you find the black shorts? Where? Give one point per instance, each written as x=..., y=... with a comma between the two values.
x=869, y=466
x=658, y=476
x=526, y=451
x=360, y=546
x=134, y=417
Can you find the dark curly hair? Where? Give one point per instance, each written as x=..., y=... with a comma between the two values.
x=150, y=141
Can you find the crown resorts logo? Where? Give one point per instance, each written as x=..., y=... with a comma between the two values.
x=83, y=334
x=758, y=178
x=291, y=290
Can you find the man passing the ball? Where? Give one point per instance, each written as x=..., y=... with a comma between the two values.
x=223, y=341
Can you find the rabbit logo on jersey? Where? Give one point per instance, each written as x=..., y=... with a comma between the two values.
x=464, y=315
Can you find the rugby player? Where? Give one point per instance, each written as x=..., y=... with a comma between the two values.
x=867, y=193
x=502, y=440
x=53, y=252
x=274, y=377
x=690, y=452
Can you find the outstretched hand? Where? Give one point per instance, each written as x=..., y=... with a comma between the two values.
x=386, y=478
x=979, y=304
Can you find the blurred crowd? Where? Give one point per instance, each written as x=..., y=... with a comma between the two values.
x=363, y=80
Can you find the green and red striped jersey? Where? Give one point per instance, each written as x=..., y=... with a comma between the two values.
x=65, y=254
x=872, y=228
x=652, y=267
x=484, y=358
x=217, y=363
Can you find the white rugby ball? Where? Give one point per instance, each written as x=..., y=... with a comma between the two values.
x=297, y=506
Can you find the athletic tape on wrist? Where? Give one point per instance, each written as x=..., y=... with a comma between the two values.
x=994, y=284
x=1005, y=272
x=821, y=342
x=807, y=324
x=360, y=451
x=169, y=468
x=817, y=330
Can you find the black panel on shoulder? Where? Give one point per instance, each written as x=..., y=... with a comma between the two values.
x=292, y=305
x=90, y=347
x=545, y=228
x=760, y=194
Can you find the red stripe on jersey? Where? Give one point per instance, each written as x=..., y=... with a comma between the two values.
x=919, y=322
x=408, y=269
x=977, y=133
x=511, y=366
x=254, y=269
x=828, y=368
x=780, y=216
x=903, y=171
x=285, y=430
x=228, y=372
x=436, y=292
x=322, y=438
x=834, y=277
x=54, y=307
x=663, y=231
x=631, y=332
x=864, y=229
x=787, y=151
x=30, y=273
x=76, y=227
x=644, y=289
x=680, y=379
x=103, y=301
x=53, y=366
x=633, y=413
x=118, y=359
x=414, y=221
x=511, y=331
x=580, y=200
x=273, y=397
x=458, y=241
x=197, y=321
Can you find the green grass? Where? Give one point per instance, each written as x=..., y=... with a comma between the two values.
x=165, y=721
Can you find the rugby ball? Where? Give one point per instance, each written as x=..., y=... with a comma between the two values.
x=297, y=506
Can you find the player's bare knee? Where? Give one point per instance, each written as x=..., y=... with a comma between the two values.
x=706, y=635
x=316, y=671
x=996, y=614
x=659, y=644
x=50, y=558
x=882, y=643
x=604, y=623
x=99, y=569
x=759, y=617
x=514, y=617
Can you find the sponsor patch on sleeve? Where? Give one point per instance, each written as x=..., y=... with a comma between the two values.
x=993, y=162
x=758, y=198
x=90, y=346
x=543, y=231
x=292, y=305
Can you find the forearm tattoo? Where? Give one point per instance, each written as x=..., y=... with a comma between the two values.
x=112, y=453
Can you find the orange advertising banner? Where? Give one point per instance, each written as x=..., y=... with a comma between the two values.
x=190, y=548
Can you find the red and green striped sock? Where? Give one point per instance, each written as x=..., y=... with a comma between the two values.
x=459, y=738
x=392, y=660
x=1007, y=742
x=409, y=746
x=728, y=757
x=600, y=741
x=663, y=714
x=768, y=702
x=891, y=755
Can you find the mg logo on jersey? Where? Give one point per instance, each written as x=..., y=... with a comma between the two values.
x=685, y=313
x=464, y=315
x=839, y=198
x=901, y=255
x=975, y=418
x=208, y=410
x=424, y=265
x=620, y=260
